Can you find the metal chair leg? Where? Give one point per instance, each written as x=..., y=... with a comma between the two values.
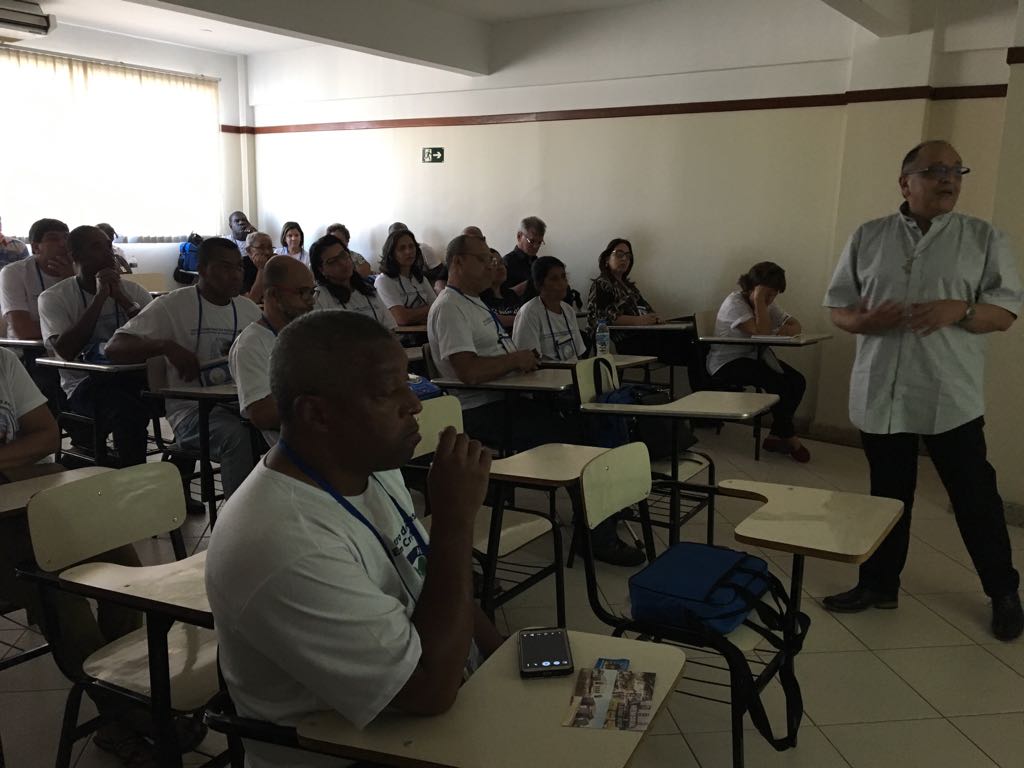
x=68, y=726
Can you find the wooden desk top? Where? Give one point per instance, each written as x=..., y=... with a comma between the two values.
x=682, y=325
x=14, y=496
x=706, y=404
x=227, y=391
x=800, y=340
x=78, y=365
x=23, y=343
x=177, y=585
x=833, y=525
x=500, y=720
x=541, y=380
x=552, y=464
x=422, y=328
x=620, y=362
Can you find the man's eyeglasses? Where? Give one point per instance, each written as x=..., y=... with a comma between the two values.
x=941, y=171
x=536, y=243
x=304, y=292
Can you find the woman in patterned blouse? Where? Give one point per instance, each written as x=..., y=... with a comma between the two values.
x=615, y=298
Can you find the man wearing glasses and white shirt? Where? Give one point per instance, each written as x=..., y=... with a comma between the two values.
x=919, y=288
x=468, y=343
x=288, y=294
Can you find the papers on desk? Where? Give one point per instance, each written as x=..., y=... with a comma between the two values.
x=611, y=698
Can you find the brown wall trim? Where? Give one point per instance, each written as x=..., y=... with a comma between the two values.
x=969, y=92
x=687, y=108
x=1015, y=55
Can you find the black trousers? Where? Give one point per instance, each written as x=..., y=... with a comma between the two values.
x=959, y=456
x=117, y=402
x=521, y=423
x=788, y=385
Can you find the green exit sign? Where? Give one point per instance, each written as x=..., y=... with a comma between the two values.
x=433, y=154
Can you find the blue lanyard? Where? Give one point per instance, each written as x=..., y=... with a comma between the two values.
x=349, y=507
x=199, y=329
x=417, y=299
x=117, y=312
x=39, y=274
x=269, y=325
x=494, y=317
x=554, y=341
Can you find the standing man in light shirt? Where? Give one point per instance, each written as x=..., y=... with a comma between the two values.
x=288, y=294
x=920, y=289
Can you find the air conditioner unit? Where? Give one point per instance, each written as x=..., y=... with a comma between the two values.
x=23, y=21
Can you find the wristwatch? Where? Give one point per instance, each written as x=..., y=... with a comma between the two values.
x=968, y=314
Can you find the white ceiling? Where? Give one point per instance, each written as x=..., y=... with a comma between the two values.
x=155, y=23
x=166, y=26
x=506, y=10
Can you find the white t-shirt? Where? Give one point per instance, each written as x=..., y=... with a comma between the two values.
x=368, y=306
x=731, y=315
x=249, y=362
x=555, y=337
x=458, y=323
x=302, y=256
x=201, y=327
x=18, y=394
x=404, y=292
x=20, y=285
x=311, y=612
x=61, y=306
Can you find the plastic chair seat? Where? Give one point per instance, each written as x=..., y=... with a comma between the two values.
x=192, y=661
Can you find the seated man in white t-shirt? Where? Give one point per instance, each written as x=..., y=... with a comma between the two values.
x=324, y=587
x=288, y=293
x=78, y=316
x=468, y=342
x=193, y=328
x=21, y=282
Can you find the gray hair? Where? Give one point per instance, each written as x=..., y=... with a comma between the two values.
x=534, y=224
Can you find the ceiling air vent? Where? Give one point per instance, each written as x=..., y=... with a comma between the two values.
x=23, y=21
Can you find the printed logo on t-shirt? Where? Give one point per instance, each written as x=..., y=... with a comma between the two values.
x=8, y=422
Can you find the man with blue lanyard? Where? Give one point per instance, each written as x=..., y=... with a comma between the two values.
x=468, y=342
x=193, y=328
x=326, y=591
x=78, y=316
x=288, y=294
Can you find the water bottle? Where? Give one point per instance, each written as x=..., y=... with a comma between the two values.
x=602, y=338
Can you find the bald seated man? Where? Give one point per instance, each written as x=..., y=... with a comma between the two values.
x=324, y=586
x=288, y=288
x=240, y=228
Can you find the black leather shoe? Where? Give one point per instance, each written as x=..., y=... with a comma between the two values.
x=618, y=552
x=859, y=599
x=1007, y=617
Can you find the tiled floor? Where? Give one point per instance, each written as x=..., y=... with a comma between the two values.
x=926, y=685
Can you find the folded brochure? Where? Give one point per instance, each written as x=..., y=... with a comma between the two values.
x=611, y=697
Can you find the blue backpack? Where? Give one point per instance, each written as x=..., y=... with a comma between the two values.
x=424, y=388
x=188, y=257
